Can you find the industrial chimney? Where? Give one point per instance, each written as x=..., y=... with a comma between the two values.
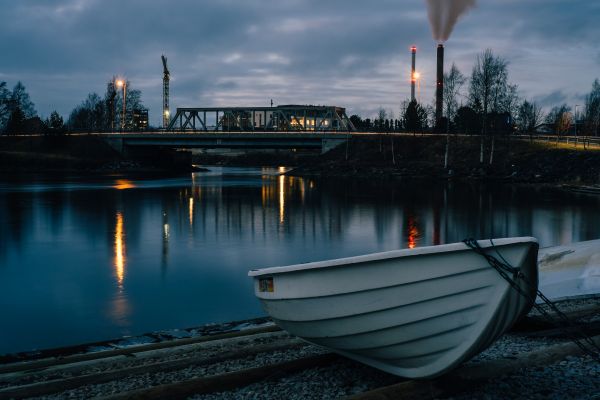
x=413, y=77
x=439, y=94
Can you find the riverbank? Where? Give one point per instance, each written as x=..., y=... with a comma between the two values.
x=85, y=154
x=505, y=159
x=368, y=156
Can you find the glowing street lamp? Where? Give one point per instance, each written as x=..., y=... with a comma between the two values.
x=121, y=83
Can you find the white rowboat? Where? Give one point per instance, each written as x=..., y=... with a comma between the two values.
x=415, y=313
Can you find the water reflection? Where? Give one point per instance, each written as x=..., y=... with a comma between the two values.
x=119, y=246
x=120, y=309
x=122, y=184
x=282, y=195
x=413, y=232
x=191, y=211
x=204, y=232
x=166, y=234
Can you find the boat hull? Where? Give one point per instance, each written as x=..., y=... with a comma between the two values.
x=413, y=313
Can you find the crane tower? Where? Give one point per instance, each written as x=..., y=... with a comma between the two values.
x=166, y=78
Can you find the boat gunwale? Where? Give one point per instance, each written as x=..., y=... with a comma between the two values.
x=421, y=251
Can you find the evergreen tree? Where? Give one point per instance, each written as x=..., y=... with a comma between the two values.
x=467, y=121
x=20, y=98
x=415, y=117
x=356, y=121
x=55, y=124
x=16, y=121
x=5, y=109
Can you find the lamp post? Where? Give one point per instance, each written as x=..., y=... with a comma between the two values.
x=123, y=84
x=576, y=107
x=577, y=137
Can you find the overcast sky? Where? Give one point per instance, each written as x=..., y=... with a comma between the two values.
x=349, y=53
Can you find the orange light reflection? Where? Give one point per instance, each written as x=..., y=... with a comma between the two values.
x=120, y=257
x=122, y=184
x=281, y=199
x=413, y=233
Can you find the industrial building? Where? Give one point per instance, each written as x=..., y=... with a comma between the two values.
x=140, y=119
x=299, y=118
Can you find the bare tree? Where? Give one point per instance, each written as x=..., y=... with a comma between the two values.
x=592, y=110
x=560, y=118
x=489, y=89
x=529, y=117
x=453, y=83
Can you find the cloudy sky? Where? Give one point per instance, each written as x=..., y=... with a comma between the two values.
x=349, y=53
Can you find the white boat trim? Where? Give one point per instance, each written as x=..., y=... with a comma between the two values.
x=427, y=250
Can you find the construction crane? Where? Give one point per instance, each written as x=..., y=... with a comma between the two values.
x=166, y=78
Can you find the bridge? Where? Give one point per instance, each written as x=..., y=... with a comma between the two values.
x=122, y=142
x=283, y=118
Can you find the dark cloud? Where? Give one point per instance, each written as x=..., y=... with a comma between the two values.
x=552, y=99
x=349, y=53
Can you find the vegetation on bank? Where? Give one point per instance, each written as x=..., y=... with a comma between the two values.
x=505, y=158
x=56, y=153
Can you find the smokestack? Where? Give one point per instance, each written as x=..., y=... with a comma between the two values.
x=413, y=78
x=439, y=94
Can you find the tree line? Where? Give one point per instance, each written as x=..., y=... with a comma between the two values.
x=18, y=114
x=489, y=104
x=94, y=114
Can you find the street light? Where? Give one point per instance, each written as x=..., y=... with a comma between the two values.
x=576, y=107
x=123, y=84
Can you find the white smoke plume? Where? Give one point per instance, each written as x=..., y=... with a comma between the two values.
x=443, y=15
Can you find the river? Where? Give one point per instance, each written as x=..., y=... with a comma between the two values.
x=86, y=259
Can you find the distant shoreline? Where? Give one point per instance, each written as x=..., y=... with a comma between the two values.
x=373, y=157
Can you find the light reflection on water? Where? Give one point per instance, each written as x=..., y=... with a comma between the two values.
x=82, y=260
x=119, y=250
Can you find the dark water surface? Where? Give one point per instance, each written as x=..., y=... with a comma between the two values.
x=85, y=259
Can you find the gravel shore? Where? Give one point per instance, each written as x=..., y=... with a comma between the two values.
x=571, y=378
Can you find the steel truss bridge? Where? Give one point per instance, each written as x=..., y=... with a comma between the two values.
x=250, y=119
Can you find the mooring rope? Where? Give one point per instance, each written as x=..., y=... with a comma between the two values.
x=575, y=334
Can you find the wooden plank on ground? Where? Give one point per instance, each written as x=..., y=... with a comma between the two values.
x=61, y=385
x=45, y=363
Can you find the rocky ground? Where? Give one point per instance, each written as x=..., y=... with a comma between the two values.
x=574, y=377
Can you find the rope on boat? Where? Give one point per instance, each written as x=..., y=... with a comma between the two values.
x=575, y=334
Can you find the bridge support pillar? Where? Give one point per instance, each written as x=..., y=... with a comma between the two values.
x=330, y=144
x=160, y=157
x=116, y=144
